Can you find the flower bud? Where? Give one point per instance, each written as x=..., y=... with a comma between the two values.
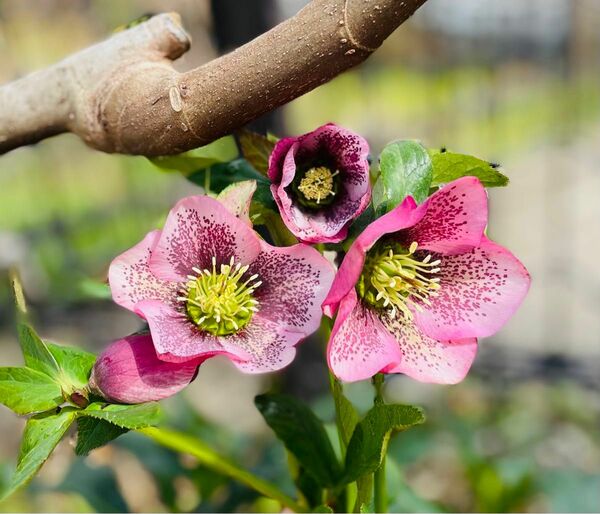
x=129, y=371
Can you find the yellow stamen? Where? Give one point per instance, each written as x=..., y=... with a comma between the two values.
x=317, y=184
x=219, y=300
x=395, y=278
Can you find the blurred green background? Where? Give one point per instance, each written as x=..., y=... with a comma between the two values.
x=513, y=82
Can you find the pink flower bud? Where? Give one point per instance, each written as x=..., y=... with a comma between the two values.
x=129, y=371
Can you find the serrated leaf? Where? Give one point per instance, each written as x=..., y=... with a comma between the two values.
x=125, y=416
x=369, y=441
x=448, y=166
x=221, y=150
x=256, y=149
x=404, y=170
x=25, y=390
x=75, y=364
x=222, y=175
x=35, y=352
x=93, y=433
x=42, y=433
x=303, y=435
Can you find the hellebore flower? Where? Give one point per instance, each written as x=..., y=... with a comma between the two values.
x=208, y=285
x=320, y=182
x=128, y=371
x=417, y=288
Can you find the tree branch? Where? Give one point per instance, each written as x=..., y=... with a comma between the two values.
x=123, y=95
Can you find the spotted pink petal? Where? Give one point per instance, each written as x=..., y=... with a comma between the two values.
x=270, y=348
x=237, y=197
x=295, y=280
x=426, y=359
x=197, y=229
x=480, y=290
x=360, y=346
x=177, y=339
x=129, y=371
x=348, y=153
x=130, y=278
x=456, y=217
x=404, y=215
x=277, y=158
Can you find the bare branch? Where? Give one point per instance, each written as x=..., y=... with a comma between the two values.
x=122, y=95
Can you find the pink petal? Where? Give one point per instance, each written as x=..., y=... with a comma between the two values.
x=177, y=339
x=360, y=346
x=479, y=292
x=455, y=219
x=130, y=278
x=295, y=280
x=128, y=371
x=197, y=229
x=277, y=157
x=428, y=360
x=237, y=197
x=350, y=152
x=269, y=347
x=403, y=216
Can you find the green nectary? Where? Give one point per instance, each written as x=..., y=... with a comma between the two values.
x=394, y=278
x=218, y=300
x=317, y=187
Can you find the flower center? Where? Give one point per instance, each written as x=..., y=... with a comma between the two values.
x=318, y=186
x=218, y=300
x=394, y=277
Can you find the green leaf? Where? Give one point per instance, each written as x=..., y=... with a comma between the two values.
x=448, y=166
x=322, y=508
x=365, y=509
x=42, y=434
x=35, y=352
x=256, y=149
x=93, y=433
x=75, y=364
x=222, y=175
x=302, y=434
x=221, y=150
x=25, y=390
x=404, y=170
x=125, y=416
x=94, y=289
x=369, y=441
x=347, y=413
x=96, y=484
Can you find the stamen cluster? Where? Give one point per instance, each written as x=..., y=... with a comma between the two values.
x=218, y=300
x=318, y=184
x=395, y=278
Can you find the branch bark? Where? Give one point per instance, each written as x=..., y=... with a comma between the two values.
x=122, y=95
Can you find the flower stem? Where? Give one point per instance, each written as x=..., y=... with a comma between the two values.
x=208, y=457
x=380, y=488
x=379, y=481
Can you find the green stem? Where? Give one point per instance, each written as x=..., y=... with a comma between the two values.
x=208, y=457
x=379, y=483
x=380, y=489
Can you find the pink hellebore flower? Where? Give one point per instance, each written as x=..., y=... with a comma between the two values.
x=417, y=288
x=320, y=182
x=128, y=371
x=208, y=285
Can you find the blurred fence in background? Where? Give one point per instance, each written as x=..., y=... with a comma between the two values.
x=514, y=82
